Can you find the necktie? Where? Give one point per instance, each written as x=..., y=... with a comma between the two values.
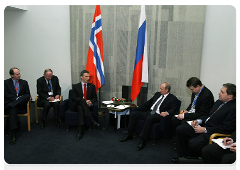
x=156, y=106
x=85, y=92
x=16, y=86
x=215, y=112
x=49, y=85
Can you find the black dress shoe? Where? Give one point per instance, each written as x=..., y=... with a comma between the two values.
x=141, y=145
x=42, y=125
x=57, y=124
x=13, y=139
x=95, y=124
x=175, y=159
x=126, y=138
x=79, y=135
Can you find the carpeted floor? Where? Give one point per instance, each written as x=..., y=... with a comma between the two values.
x=55, y=145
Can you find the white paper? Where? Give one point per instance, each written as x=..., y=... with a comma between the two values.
x=219, y=142
x=189, y=122
x=55, y=100
x=122, y=106
x=107, y=102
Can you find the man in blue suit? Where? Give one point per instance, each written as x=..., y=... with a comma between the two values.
x=16, y=96
x=161, y=105
x=221, y=119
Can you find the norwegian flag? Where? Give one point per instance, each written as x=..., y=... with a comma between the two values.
x=140, y=73
x=95, y=60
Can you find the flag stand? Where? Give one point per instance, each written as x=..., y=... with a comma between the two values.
x=100, y=112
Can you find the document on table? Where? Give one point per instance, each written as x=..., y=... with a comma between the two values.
x=107, y=102
x=219, y=142
x=55, y=100
x=122, y=106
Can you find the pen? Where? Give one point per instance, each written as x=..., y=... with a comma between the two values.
x=226, y=140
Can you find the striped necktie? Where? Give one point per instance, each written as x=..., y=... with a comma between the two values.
x=214, y=112
x=156, y=106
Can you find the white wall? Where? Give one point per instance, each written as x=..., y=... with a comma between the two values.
x=219, y=48
x=36, y=39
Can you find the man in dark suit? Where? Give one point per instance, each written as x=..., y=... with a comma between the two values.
x=214, y=154
x=16, y=96
x=192, y=138
x=202, y=101
x=49, y=91
x=162, y=104
x=84, y=95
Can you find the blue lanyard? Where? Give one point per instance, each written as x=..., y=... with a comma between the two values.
x=194, y=102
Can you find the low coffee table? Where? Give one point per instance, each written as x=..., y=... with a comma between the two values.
x=118, y=109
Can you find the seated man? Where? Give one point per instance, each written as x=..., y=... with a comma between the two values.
x=222, y=119
x=202, y=101
x=162, y=104
x=84, y=95
x=16, y=96
x=48, y=90
x=214, y=154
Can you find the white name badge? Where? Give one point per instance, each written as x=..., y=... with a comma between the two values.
x=191, y=111
x=50, y=93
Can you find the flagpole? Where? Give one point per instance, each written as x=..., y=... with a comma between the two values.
x=100, y=112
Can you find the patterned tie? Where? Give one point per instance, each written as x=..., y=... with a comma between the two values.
x=16, y=86
x=156, y=106
x=49, y=85
x=85, y=92
x=214, y=112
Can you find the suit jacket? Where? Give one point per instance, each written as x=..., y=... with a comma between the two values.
x=77, y=94
x=223, y=120
x=169, y=104
x=42, y=89
x=203, y=105
x=10, y=93
x=233, y=136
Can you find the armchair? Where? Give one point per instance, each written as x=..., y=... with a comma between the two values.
x=161, y=129
x=70, y=117
x=217, y=135
x=25, y=112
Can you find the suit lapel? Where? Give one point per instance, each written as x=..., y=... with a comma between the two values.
x=12, y=87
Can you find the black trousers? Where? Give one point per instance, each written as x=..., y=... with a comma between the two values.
x=83, y=110
x=214, y=154
x=189, y=143
x=149, y=120
x=46, y=106
x=12, y=110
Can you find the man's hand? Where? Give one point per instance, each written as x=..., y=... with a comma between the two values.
x=233, y=148
x=180, y=117
x=50, y=98
x=57, y=97
x=194, y=123
x=199, y=129
x=89, y=103
x=227, y=141
x=163, y=114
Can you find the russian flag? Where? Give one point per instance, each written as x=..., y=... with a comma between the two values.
x=95, y=60
x=140, y=74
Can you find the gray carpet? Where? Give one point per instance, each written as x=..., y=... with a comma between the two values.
x=55, y=145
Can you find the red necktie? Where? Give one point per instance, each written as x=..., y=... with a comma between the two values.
x=85, y=92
